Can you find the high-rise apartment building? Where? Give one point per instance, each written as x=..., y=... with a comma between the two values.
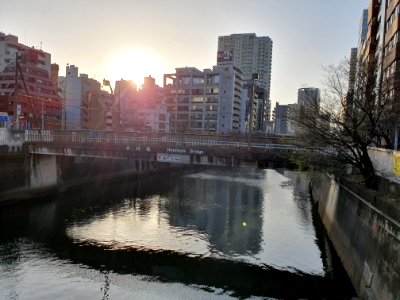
x=307, y=99
x=363, y=31
x=281, y=119
x=381, y=49
x=251, y=54
x=208, y=101
x=308, y=96
x=353, y=68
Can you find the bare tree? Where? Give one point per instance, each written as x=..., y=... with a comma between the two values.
x=348, y=119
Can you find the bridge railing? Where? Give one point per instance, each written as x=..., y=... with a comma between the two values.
x=257, y=143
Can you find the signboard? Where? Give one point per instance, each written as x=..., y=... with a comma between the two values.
x=168, y=158
x=3, y=117
x=396, y=164
x=18, y=109
x=224, y=56
x=173, y=158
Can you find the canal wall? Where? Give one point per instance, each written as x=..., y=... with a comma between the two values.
x=26, y=177
x=366, y=239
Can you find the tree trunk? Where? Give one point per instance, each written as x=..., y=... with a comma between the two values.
x=368, y=171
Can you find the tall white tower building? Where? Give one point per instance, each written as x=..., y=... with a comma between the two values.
x=250, y=53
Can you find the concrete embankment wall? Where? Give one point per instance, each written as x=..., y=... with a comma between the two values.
x=12, y=170
x=366, y=239
x=30, y=177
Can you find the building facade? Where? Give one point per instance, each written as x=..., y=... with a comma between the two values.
x=281, y=119
x=380, y=48
x=208, y=101
x=257, y=107
x=26, y=82
x=251, y=54
x=126, y=98
x=152, y=119
x=97, y=111
x=75, y=90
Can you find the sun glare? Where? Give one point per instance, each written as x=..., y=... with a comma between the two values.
x=134, y=64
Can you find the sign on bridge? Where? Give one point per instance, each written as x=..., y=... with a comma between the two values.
x=173, y=158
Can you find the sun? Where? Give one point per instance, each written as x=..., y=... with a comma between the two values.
x=133, y=64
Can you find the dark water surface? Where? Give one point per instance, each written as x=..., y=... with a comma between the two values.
x=220, y=233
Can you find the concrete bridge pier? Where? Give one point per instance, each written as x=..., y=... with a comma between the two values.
x=43, y=171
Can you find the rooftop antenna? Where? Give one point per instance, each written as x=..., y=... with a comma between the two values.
x=40, y=46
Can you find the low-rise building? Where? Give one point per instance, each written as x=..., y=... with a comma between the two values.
x=97, y=111
x=75, y=90
x=28, y=93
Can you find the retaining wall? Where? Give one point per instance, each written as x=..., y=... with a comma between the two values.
x=385, y=162
x=366, y=239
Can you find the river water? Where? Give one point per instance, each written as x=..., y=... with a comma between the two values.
x=216, y=233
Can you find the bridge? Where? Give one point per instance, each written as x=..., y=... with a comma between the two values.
x=15, y=139
x=171, y=147
x=47, y=151
x=163, y=147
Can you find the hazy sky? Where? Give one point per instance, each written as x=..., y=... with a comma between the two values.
x=130, y=39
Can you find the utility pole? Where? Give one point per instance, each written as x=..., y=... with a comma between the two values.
x=42, y=114
x=16, y=114
x=254, y=77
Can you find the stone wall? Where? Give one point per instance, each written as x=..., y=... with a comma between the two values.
x=366, y=239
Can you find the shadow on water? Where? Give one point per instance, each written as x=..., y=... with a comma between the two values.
x=46, y=223
x=241, y=278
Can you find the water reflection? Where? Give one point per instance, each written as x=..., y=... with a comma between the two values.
x=245, y=231
x=225, y=208
x=256, y=216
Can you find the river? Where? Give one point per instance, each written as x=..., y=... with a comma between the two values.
x=211, y=234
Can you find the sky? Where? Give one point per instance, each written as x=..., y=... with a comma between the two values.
x=131, y=39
